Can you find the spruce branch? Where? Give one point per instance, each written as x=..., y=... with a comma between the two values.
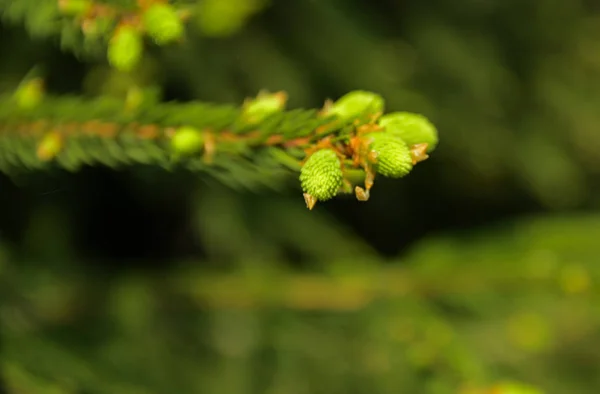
x=256, y=145
x=91, y=28
x=118, y=28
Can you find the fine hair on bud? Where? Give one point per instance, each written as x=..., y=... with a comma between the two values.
x=412, y=128
x=162, y=23
x=321, y=175
x=125, y=48
x=356, y=104
x=393, y=155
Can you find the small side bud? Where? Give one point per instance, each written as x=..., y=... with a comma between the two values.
x=355, y=104
x=412, y=128
x=125, y=48
x=321, y=177
x=222, y=18
x=163, y=23
x=30, y=93
x=187, y=141
x=265, y=104
x=394, y=159
x=50, y=146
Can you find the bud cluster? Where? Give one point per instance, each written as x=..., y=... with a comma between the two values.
x=388, y=145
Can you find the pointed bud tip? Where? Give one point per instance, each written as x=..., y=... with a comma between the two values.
x=310, y=201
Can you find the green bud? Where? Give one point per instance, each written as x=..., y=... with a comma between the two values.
x=264, y=105
x=356, y=104
x=125, y=48
x=412, y=128
x=30, y=93
x=222, y=18
x=393, y=155
x=50, y=146
x=321, y=176
x=187, y=141
x=162, y=23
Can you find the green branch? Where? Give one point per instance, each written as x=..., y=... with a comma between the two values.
x=255, y=145
x=119, y=28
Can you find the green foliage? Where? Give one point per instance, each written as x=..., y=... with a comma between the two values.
x=123, y=141
x=190, y=329
x=92, y=27
x=201, y=137
x=258, y=296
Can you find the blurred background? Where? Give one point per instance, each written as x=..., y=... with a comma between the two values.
x=478, y=269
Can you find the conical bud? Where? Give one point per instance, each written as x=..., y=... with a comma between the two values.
x=412, y=128
x=356, y=104
x=264, y=105
x=125, y=48
x=321, y=176
x=187, y=141
x=30, y=93
x=393, y=158
x=50, y=146
x=162, y=23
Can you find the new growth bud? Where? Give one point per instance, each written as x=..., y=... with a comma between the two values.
x=162, y=23
x=412, y=128
x=393, y=157
x=30, y=93
x=125, y=48
x=265, y=104
x=321, y=176
x=187, y=141
x=50, y=146
x=356, y=104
